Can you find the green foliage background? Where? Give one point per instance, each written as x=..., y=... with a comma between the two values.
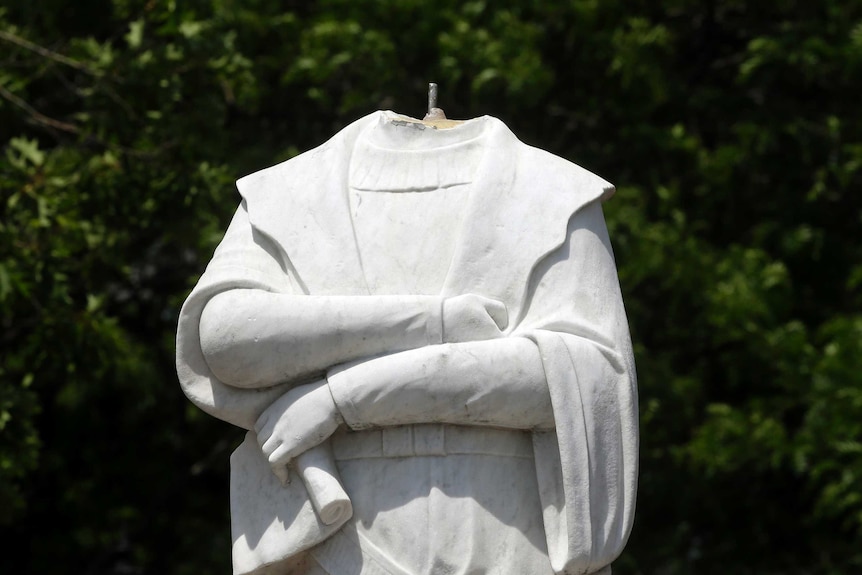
x=732, y=130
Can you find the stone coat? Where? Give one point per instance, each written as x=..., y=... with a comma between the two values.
x=534, y=238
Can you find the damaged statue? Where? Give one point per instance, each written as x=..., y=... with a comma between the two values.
x=420, y=325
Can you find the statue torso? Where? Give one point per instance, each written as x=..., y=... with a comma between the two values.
x=430, y=499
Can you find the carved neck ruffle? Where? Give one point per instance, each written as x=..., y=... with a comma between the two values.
x=398, y=154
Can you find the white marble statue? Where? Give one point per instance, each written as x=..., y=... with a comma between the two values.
x=422, y=330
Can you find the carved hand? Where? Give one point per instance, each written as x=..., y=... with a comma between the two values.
x=472, y=317
x=300, y=419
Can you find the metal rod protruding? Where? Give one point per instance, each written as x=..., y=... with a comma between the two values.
x=432, y=96
x=434, y=113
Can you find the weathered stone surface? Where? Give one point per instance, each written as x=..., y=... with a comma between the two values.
x=424, y=325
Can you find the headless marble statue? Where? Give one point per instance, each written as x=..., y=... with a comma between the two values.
x=424, y=324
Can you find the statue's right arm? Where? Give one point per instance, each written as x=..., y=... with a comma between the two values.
x=224, y=371
x=258, y=329
x=253, y=338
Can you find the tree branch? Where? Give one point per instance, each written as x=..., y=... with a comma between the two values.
x=37, y=116
x=47, y=122
x=45, y=52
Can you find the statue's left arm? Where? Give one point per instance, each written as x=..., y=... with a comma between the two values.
x=574, y=297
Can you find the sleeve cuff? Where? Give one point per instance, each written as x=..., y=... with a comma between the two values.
x=339, y=386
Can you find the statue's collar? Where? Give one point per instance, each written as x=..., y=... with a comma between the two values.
x=396, y=154
x=517, y=211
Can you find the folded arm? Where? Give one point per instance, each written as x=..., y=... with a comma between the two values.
x=253, y=338
x=247, y=333
x=498, y=383
x=256, y=339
